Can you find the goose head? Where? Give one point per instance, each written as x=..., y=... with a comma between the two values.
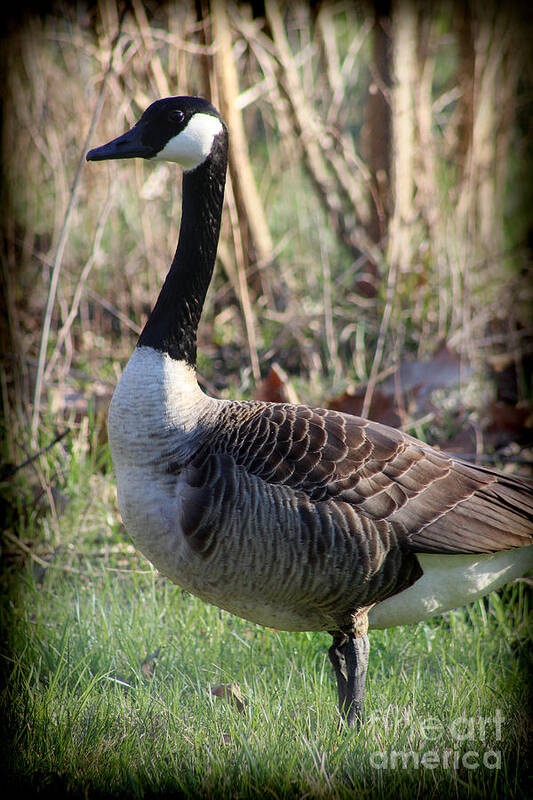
x=178, y=129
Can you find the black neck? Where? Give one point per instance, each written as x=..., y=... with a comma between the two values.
x=173, y=323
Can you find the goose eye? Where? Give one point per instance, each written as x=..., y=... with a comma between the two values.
x=176, y=115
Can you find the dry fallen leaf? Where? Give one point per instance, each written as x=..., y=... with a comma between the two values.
x=407, y=390
x=231, y=692
x=276, y=387
x=148, y=665
x=382, y=408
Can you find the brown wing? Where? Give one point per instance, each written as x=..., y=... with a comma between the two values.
x=434, y=503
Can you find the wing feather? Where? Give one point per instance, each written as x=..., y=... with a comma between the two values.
x=433, y=503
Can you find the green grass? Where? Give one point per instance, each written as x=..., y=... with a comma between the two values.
x=83, y=718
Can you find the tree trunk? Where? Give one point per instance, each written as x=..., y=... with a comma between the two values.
x=376, y=133
x=255, y=234
x=404, y=24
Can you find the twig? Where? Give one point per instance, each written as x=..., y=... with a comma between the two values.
x=331, y=339
x=155, y=62
x=416, y=423
x=129, y=323
x=74, y=373
x=244, y=294
x=34, y=557
x=347, y=69
x=63, y=333
x=64, y=567
x=378, y=354
x=12, y=470
x=58, y=259
x=326, y=30
x=320, y=158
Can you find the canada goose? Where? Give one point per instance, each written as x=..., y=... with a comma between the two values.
x=293, y=517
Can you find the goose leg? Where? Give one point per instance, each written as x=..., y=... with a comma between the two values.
x=349, y=656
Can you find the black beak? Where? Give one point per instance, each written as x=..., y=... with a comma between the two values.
x=129, y=145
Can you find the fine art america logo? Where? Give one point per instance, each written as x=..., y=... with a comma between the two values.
x=462, y=743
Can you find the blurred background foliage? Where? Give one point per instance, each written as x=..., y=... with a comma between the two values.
x=376, y=239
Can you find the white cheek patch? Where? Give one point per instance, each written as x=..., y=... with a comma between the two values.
x=192, y=146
